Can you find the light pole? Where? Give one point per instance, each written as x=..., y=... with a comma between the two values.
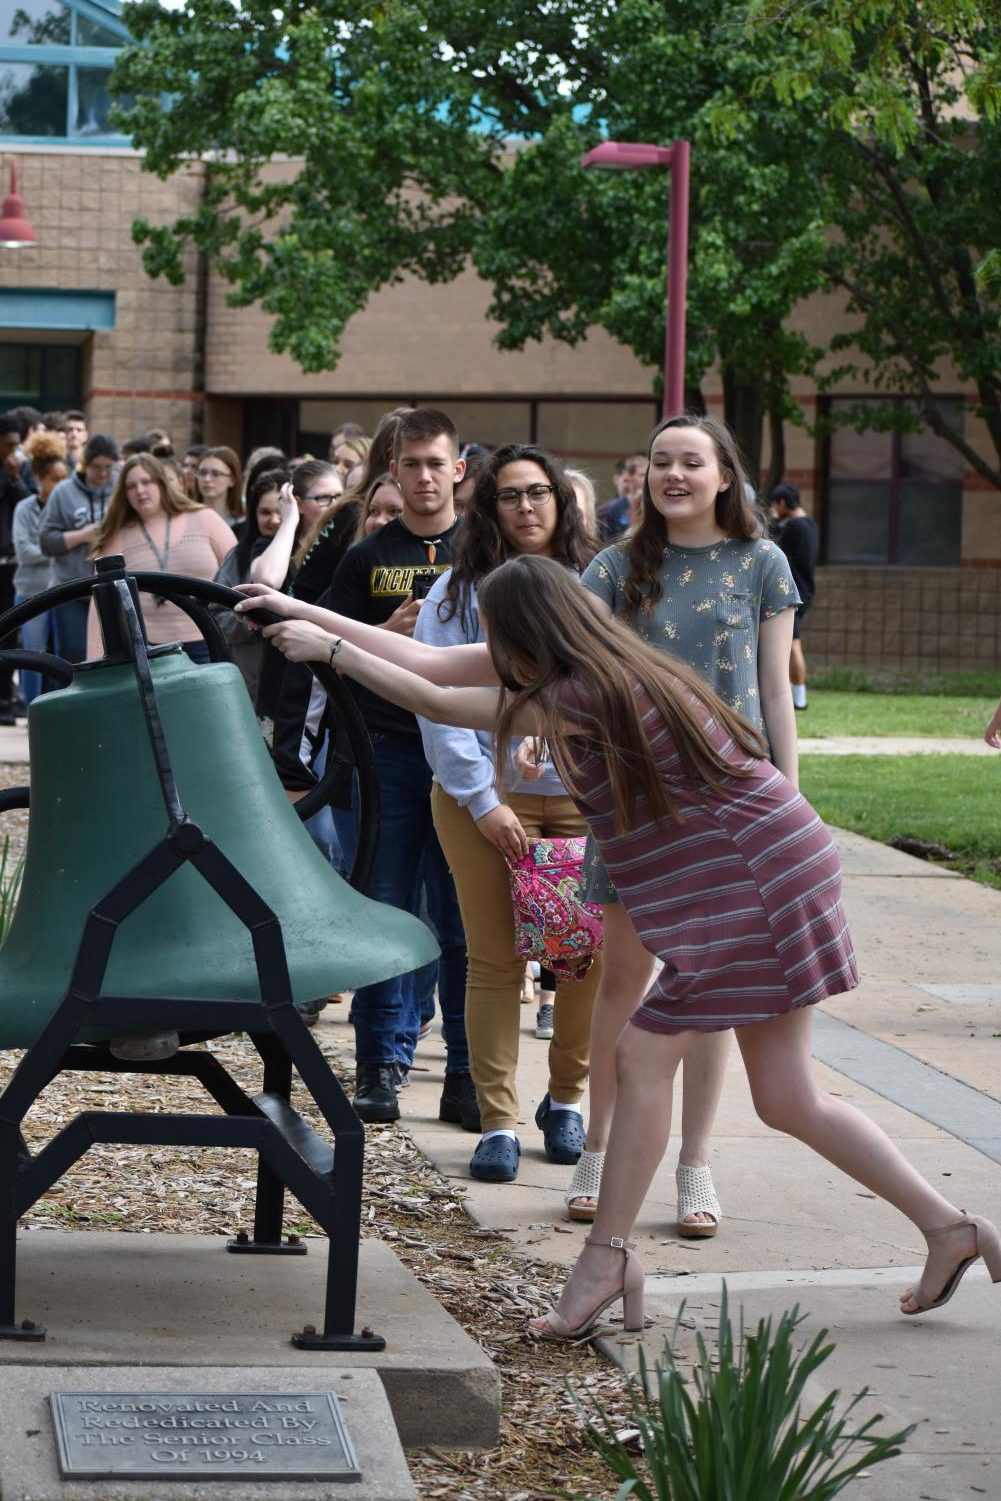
x=613, y=156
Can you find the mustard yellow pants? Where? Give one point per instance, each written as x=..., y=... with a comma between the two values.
x=495, y=972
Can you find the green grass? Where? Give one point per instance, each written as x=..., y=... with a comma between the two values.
x=954, y=801
x=833, y=712
x=938, y=684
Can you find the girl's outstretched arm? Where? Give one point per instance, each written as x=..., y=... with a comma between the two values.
x=458, y=666
x=774, y=644
x=469, y=708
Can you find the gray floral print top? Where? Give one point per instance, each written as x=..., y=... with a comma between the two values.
x=709, y=614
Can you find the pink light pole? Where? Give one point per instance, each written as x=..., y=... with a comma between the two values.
x=614, y=156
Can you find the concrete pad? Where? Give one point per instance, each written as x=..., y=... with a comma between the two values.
x=111, y=1299
x=896, y=745
x=918, y=1369
x=29, y=1467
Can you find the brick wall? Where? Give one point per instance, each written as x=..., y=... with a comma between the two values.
x=906, y=619
x=146, y=371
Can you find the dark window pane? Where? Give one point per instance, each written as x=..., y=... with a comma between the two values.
x=856, y=455
x=93, y=102
x=929, y=524
x=62, y=375
x=926, y=456
x=858, y=523
x=90, y=34
x=32, y=100
x=34, y=21
x=20, y=372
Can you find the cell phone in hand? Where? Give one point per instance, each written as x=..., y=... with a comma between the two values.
x=423, y=584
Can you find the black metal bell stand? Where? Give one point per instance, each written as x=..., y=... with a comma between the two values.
x=291, y=1154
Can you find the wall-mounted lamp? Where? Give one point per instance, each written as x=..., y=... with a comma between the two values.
x=15, y=229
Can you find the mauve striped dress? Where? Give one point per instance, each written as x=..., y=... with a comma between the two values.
x=742, y=901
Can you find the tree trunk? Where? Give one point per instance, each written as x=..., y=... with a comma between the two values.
x=777, y=453
x=744, y=410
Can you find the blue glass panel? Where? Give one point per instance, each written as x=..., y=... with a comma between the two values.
x=34, y=22
x=90, y=34
x=33, y=100
x=93, y=103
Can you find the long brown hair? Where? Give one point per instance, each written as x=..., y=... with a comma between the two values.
x=234, y=492
x=545, y=632
x=735, y=515
x=120, y=513
x=482, y=545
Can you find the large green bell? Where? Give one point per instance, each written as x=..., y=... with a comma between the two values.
x=97, y=809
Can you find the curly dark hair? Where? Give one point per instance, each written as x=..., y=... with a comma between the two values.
x=481, y=545
x=735, y=514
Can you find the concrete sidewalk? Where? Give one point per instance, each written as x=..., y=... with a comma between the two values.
x=918, y=1048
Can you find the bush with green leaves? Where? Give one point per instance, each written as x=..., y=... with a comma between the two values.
x=740, y=1432
x=10, y=885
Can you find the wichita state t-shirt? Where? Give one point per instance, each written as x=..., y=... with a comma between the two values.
x=373, y=579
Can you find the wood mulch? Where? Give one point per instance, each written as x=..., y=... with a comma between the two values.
x=489, y=1289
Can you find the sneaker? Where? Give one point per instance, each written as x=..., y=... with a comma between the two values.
x=425, y=1028
x=544, y=1022
x=375, y=1093
x=458, y=1102
x=401, y=1073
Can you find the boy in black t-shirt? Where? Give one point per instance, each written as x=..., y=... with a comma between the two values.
x=800, y=541
x=382, y=581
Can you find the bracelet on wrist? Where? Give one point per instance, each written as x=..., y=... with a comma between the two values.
x=338, y=643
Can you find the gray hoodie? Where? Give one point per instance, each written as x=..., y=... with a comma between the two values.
x=462, y=760
x=72, y=505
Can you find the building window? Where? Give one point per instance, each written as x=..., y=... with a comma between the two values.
x=893, y=497
x=55, y=63
x=46, y=376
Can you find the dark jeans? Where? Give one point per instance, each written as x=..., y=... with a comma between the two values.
x=69, y=630
x=387, y=1016
x=6, y=600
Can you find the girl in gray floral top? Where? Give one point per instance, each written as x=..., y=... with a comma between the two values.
x=696, y=579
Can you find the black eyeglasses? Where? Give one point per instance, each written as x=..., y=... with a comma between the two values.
x=323, y=500
x=537, y=495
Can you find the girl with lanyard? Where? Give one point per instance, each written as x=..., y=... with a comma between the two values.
x=694, y=579
x=157, y=529
x=695, y=826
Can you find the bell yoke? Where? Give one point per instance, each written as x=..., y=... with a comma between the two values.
x=170, y=895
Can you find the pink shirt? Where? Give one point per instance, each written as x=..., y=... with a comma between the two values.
x=199, y=540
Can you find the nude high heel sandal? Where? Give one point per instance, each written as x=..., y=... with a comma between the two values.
x=988, y=1245
x=553, y=1327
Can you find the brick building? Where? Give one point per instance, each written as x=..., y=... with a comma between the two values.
x=911, y=540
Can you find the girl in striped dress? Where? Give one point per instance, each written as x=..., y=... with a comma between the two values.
x=727, y=873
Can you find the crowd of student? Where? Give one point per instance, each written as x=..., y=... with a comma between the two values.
x=473, y=565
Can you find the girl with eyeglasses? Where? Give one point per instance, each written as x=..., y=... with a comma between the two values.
x=311, y=495
x=693, y=821
x=522, y=505
x=219, y=478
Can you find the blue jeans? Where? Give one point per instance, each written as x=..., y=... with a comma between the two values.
x=387, y=1016
x=34, y=637
x=69, y=630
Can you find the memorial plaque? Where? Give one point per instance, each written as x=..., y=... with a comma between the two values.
x=195, y=1436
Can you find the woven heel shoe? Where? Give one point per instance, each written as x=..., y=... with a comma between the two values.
x=696, y=1195
x=553, y=1326
x=585, y=1184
